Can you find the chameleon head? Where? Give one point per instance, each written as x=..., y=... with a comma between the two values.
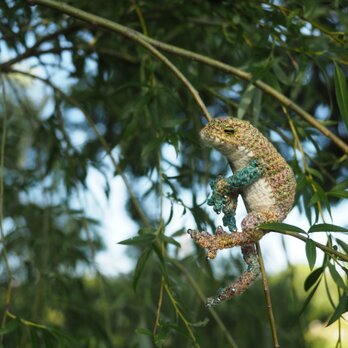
x=227, y=134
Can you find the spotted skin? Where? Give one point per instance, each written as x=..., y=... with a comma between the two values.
x=264, y=180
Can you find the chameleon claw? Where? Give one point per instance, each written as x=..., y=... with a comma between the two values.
x=211, y=254
x=219, y=230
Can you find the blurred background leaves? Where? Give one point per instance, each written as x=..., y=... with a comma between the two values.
x=99, y=95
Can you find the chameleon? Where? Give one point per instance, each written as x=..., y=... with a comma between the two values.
x=264, y=180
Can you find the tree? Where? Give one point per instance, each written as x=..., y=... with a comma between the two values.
x=136, y=80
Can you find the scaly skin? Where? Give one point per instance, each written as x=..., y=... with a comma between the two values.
x=263, y=179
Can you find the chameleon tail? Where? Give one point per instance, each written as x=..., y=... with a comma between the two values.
x=240, y=285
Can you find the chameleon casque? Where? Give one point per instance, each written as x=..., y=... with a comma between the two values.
x=264, y=180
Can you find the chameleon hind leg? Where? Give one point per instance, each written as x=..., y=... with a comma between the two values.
x=246, y=239
x=243, y=282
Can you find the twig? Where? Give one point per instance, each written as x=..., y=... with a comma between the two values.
x=2, y=233
x=134, y=36
x=199, y=292
x=323, y=247
x=141, y=39
x=268, y=298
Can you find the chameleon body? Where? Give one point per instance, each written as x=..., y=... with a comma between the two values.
x=264, y=180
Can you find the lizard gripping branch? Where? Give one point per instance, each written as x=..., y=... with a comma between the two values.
x=263, y=179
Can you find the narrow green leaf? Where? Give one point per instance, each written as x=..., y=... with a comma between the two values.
x=316, y=173
x=140, y=266
x=142, y=239
x=257, y=104
x=171, y=213
x=11, y=326
x=340, y=309
x=309, y=298
x=281, y=227
x=337, y=277
x=311, y=253
x=179, y=233
x=143, y=331
x=171, y=240
x=35, y=339
x=245, y=101
x=327, y=228
x=341, y=93
x=280, y=74
x=343, y=245
x=341, y=186
x=312, y=278
x=339, y=194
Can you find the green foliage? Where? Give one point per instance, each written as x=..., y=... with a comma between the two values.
x=77, y=99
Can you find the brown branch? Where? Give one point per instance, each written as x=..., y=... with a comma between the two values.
x=140, y=38
x=320, y=246
x=268, y=298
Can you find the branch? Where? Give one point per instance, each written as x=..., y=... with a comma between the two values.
x=265, y=286
x=323, y=247
x=132, y=35
x=141, y=39
x=199, y=292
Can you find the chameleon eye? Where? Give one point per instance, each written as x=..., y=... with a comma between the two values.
x=229, y=130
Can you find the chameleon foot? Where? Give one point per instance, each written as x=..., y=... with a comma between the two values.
x=212, y=243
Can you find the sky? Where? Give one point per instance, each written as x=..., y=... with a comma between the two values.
x=117, y=226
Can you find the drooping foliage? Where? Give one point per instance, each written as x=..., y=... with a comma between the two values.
x=77, y=98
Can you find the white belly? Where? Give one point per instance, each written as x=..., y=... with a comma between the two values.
x=259, y=195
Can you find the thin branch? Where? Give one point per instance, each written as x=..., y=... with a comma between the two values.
x=199, y=292
x=141, y=39
x=2, y=233
x=323, y=247
x=134, y=36
x=268, y=298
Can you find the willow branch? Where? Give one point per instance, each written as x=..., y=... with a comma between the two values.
x=320, y=246
x=132, y=35
x=141, y=39
x=267, y=292
x=199, y=292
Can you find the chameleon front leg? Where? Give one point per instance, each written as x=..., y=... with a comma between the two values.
x=225, y=192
